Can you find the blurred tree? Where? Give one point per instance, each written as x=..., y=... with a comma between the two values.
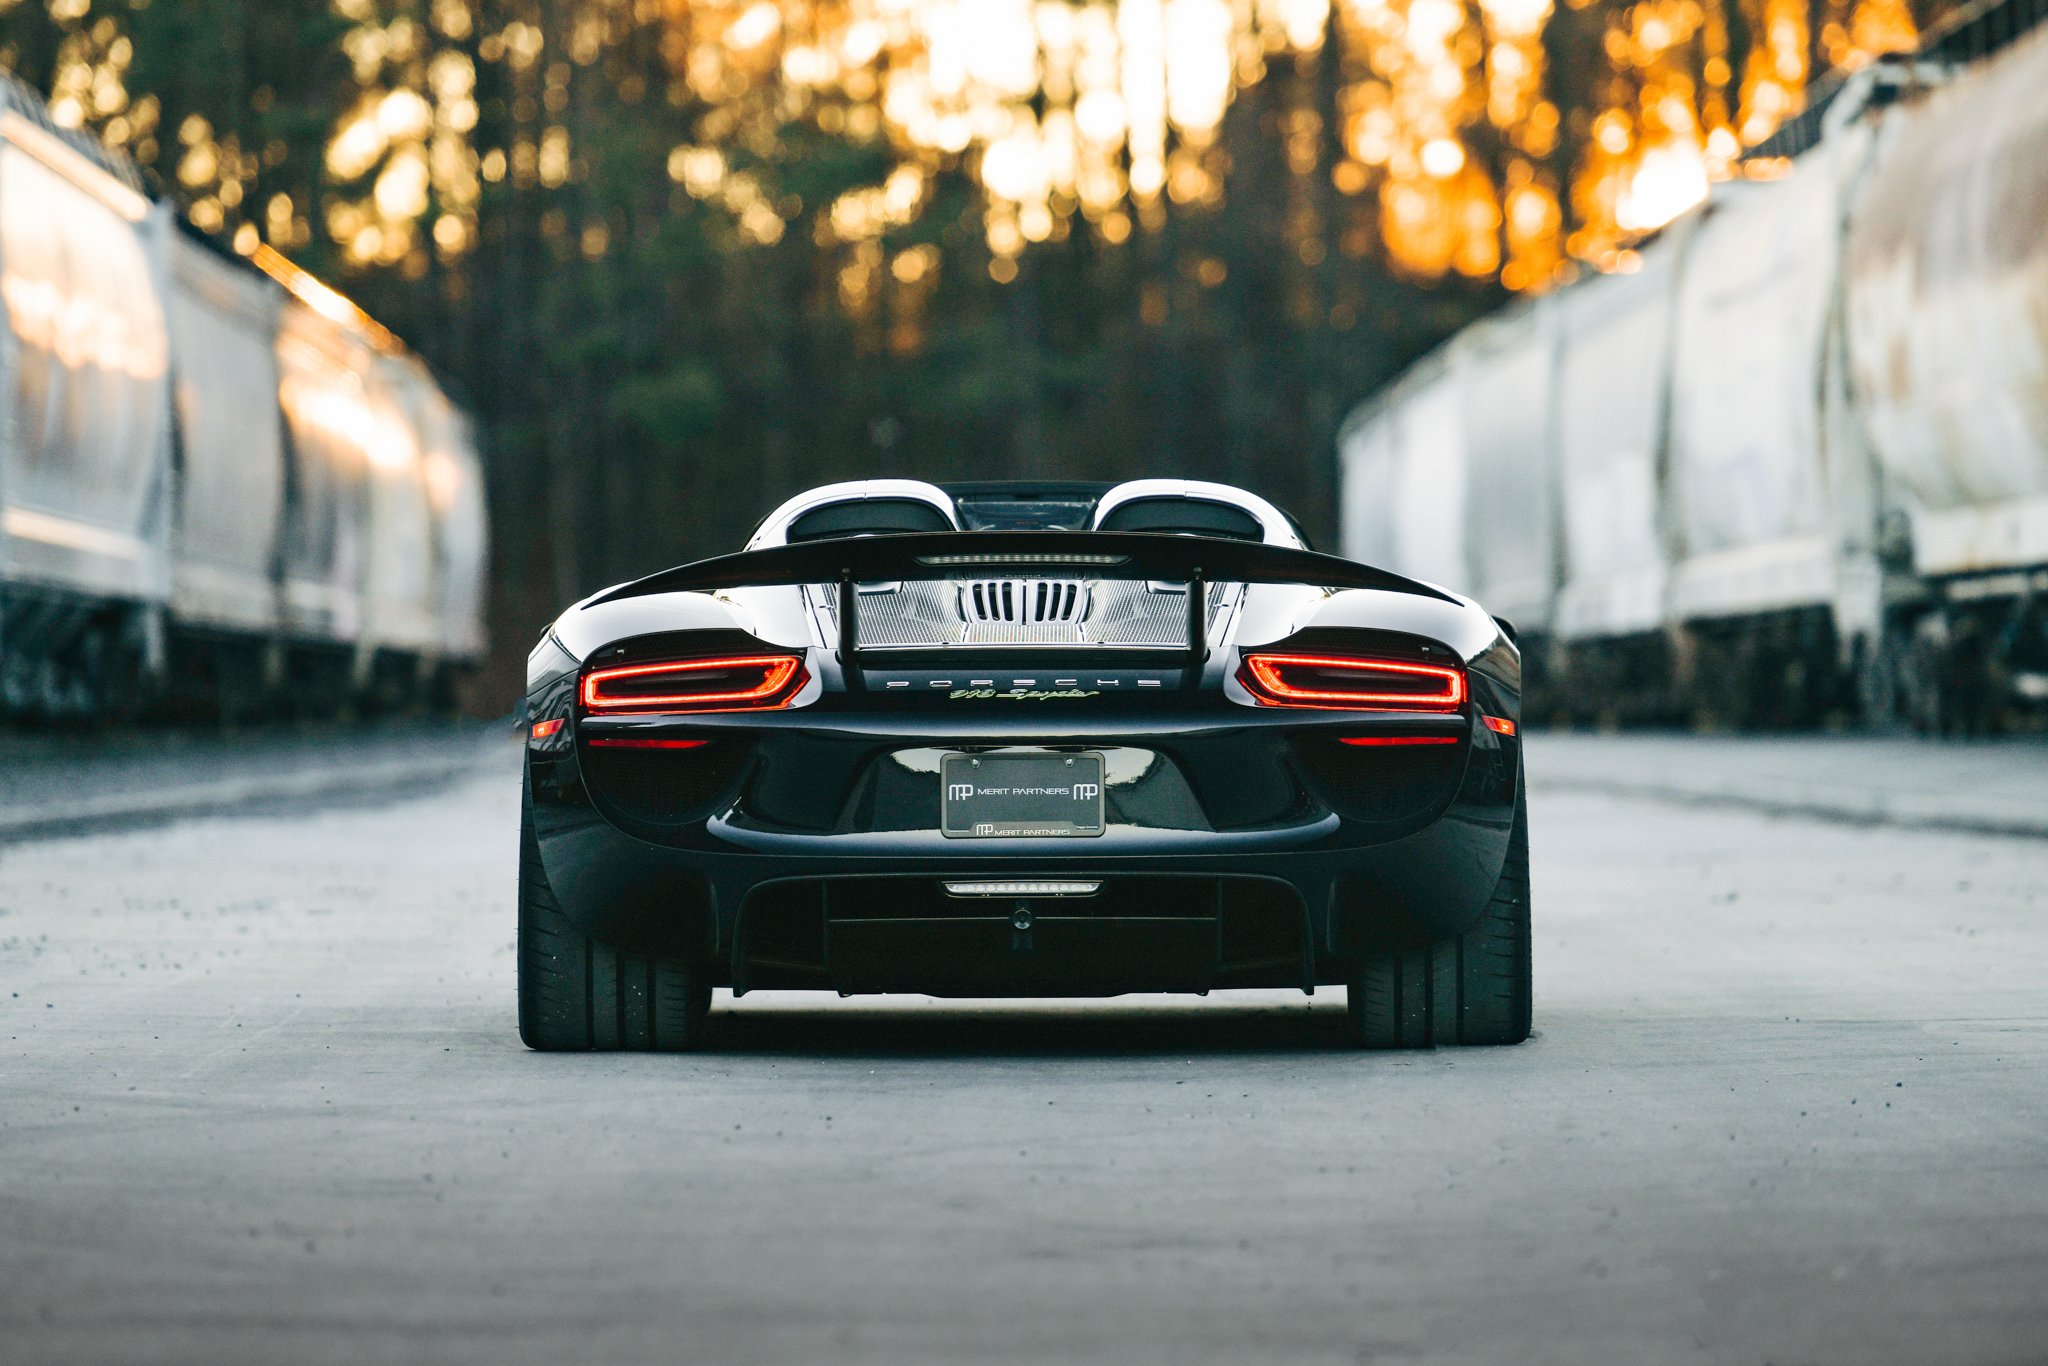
x=684, y=257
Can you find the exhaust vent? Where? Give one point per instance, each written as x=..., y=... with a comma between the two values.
x=1023, y=602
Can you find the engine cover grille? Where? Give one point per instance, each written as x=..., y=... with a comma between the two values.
x=1024, y=611
x=1023, y=602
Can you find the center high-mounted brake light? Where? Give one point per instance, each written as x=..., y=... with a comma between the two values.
x=740, y=683
x=1351, y=682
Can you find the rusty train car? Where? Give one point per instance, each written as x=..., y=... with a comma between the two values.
x=1794, y=467
x=223, y=489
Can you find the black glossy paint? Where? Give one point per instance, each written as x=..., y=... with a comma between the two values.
x=1243, y=844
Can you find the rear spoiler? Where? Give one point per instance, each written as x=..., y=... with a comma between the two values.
x=941, y=554
x=1194, y=560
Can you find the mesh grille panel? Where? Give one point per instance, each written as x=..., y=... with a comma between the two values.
x=911, y=614
x=1129, y=612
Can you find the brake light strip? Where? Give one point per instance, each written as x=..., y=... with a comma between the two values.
x=631, y=743
x=778, y=672
x=1397, y=739
x=1267, y=673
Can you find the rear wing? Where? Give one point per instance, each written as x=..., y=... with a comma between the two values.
x=848, y=562
x=1103, y=554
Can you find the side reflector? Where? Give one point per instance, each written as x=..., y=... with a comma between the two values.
x=1350, y=682
x=543, y=729
x=1397, y=739
x=648, y=744
x=741, y=683
x=1499, y=724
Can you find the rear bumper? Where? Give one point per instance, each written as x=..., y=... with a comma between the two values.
x=1290, y=900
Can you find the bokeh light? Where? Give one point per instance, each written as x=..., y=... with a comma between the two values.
x=1068, y=115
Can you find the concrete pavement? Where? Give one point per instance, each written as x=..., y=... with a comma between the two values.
x=54, y=786
x=1973, y=786
x=261, y=1100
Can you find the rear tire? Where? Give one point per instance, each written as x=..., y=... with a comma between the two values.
x=577, y=994
x=1474, y=989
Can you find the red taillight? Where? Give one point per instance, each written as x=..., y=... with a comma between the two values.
x=1350, y=682
x=1397, y=739
x=741, y=683
x=648, y=744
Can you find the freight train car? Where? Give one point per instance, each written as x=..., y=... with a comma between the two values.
x=1765, y=497
x=1946, y=301
x=1613, y=383
x=223, y=490
x=1411, y=463
x=1447, y=473
x=84, y=447
x=1510, y=502
x=1794, y=466
x=230, y=472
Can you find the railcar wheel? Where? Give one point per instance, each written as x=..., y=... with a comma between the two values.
x=577, y=994
x=1474, y=989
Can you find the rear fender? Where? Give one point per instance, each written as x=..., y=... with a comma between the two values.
x=774, y=616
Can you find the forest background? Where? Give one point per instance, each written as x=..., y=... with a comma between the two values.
x=681, y=258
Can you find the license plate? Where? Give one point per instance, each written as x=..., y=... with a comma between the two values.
x=1020, y=796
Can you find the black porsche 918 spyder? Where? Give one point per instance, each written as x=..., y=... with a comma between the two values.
x=1023, y=740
